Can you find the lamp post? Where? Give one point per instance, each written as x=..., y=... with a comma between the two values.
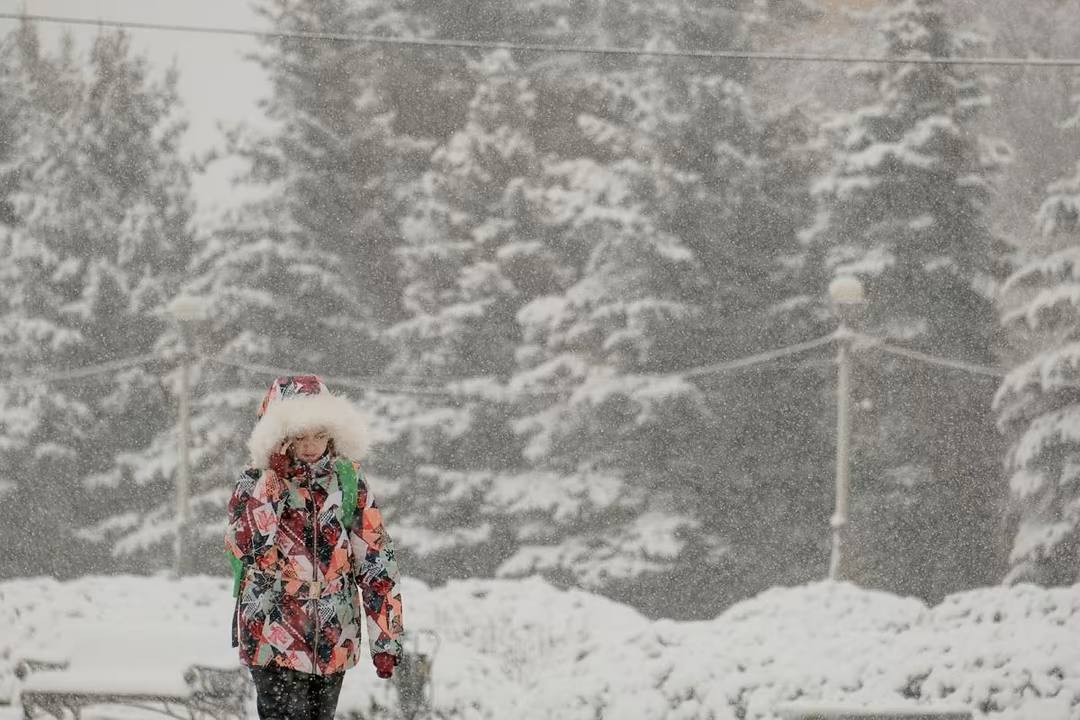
x=185, y=311
x=846, y=293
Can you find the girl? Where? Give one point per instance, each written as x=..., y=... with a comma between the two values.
x=310, y=554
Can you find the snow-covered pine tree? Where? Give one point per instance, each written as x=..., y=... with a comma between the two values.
x=767, y=460
x=676, y=213
x=1028, y=106
x=597, y=356
x=99, y=243
x=904, y=207
x=464, y=241
x=461, y=309
x=32, y=333
x=15, y=48
x=299, y=277
x=332, y=157
x=1039, y=401
x=626, y=162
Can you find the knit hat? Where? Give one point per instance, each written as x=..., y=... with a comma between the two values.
x=298, y=403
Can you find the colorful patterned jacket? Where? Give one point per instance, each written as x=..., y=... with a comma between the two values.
x=306, y=575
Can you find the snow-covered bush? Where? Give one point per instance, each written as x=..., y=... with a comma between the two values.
x=523, y=649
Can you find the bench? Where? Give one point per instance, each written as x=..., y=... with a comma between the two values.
x=837, y=711
x=180, y=672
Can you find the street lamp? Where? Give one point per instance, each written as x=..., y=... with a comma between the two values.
x=846, y=293
x=185, y=311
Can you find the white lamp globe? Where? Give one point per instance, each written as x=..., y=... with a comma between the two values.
x=185, y=308
x=846, y=290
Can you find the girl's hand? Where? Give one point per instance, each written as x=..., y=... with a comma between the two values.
x=279, y=459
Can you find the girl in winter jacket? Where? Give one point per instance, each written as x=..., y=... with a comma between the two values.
x=310, y=554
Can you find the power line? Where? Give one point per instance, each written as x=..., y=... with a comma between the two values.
x=758, y=358
x=379, y=386
x=367, y=384
x=944, y=362
x=933, y=359
x=83, y=372
x=357, y=38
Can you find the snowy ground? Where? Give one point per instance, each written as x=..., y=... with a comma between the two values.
x=521, y=649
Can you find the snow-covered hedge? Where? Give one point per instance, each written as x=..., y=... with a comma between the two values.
x=522, y=649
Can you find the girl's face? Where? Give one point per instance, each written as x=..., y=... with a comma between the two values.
x=310, y=445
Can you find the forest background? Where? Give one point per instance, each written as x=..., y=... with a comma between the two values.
x=518, y=260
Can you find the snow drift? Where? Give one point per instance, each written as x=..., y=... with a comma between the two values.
x=523, y=649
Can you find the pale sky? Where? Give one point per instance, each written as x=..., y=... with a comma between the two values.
x=216, y=83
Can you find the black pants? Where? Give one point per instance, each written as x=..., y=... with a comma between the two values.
x=290, y=695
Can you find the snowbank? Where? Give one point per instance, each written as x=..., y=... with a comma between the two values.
x=522, y=649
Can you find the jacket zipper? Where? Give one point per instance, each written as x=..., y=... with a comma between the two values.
x=315, y=572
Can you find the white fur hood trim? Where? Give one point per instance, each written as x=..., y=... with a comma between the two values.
x=292, y=416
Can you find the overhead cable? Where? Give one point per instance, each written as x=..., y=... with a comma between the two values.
x=82, y=372
x=382, y=386
x=371, y=384
x=758, y=358
x=358, y=38
x=942, y=362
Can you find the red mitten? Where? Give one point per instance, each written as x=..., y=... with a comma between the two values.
x=384, y=664
x=279, y=463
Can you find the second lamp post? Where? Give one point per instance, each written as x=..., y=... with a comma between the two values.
x=186, y=312
x=846, y=293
